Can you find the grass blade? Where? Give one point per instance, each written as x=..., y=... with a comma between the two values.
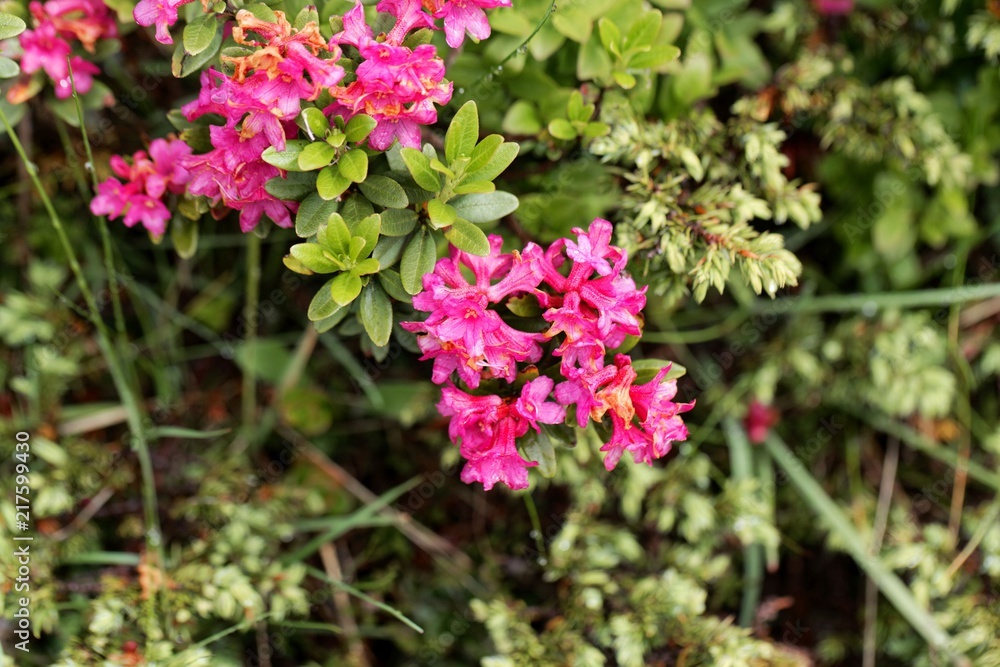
x=892, y=587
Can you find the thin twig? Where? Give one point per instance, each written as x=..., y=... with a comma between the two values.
x=886, y=486
x=987, y=522
x=85, y=515
x=412, y=529
x=345, y=614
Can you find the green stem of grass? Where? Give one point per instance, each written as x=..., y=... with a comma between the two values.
x=891, y=586
x=741, y=464
x=536, y=526
x=841, y=303
x=102, y=223
x=128, y=397
x=250, y=323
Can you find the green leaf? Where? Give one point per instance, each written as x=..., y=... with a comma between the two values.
x=560, y=128
x=322, y=305
x=655, y=57
x=388, y=250
x=261, y=11
x=441, y=168
x=440, y=213
x=198, y=34
x=354, y=165
x=419, y=167
x=398, y=221
x=331, y=184
x=368, y=229
x=316, y=155
x=313, y=212
x=345, y=288
x=8, y=68
x=576, y=110
x=295, y=265
x=393, y=285
x=644, y=31
x=475, y=187
x=485, y=207
x=624, y=79
x=184, y=64
x=294, y=186
x=376, y=313
x=501, y=160
x=466, y=236
x=184, y=235
x=287, y=159
x=359, y=127
x=327, y=323
x=306, y=15
x=366, y=267
x=335, y=235
x=312, y=256
x=384, y=191
x=524, y=306
x=355, y=208
x=11, y=26
x=539, y=449
x=418, y=259
x=484, y=152
x=646, y=370
x=463, y=133
x=314, y=122
x=611, y=36
x=521, y=118
x=595, y=129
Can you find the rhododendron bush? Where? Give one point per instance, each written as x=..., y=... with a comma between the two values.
x=521, y=333
x=324, y=134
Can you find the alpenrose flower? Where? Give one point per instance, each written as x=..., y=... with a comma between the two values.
x=395, y=85
x=59, y=23
x=259, y=103
x=161, y=13
x=591, y=306
x=148, y=178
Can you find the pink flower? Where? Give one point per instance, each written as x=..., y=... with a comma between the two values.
x=45, y=49
x=148, y=179
x=594, y=314
x=87, y=21
x=486, y=431
x=462, y=333
x=533, y=407
x=659, y=423
x=759, y=420
x=162, y=13
x=486, y=428
x=834, y=7
x=461, y=16
x=409, y=16
x=592, y=304
x=396, y=86
x=234, y=174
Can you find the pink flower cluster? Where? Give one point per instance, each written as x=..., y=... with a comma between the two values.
x=458, y=16
x=395, y=85
x=58, y=24
x=259, y=103
x=148, y=178
x=591, y=306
